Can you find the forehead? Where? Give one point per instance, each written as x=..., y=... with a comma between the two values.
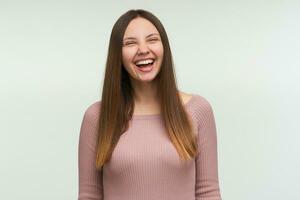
x=140, y=27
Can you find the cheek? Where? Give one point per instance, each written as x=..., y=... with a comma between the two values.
x=127, y=56
x=158, y=49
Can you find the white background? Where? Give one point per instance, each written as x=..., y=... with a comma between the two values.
x=242, y=56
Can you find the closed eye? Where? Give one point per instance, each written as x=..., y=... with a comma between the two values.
x=151, y=40
x=154, y=39
x=128, y=43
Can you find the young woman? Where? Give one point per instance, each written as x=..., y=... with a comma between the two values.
x=145, y=139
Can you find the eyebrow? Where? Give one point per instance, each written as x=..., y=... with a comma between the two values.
x=127, y=38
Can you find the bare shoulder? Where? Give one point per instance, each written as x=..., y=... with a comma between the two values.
x=199, y=101
x=185, y=96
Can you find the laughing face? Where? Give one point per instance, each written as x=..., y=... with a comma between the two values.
x=142, y=50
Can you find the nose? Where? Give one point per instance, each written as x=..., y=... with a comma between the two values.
x=143, y=49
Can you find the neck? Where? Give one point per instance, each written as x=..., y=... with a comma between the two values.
x=145, y=93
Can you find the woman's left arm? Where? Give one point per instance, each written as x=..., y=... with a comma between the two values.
x=207, y=183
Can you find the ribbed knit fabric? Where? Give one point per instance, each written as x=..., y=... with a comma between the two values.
x=145, y=164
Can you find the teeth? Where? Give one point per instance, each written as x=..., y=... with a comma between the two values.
x=144, y=62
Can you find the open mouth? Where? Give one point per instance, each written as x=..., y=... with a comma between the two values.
x=145, y=66
x=145, y=63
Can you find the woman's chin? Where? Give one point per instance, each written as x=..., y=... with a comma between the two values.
x=146, y=77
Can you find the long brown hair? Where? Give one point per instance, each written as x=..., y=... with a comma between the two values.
x=117, y=103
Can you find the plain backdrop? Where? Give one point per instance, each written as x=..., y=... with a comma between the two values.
x=242, y=56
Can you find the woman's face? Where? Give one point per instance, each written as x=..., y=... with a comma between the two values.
x=142, y=50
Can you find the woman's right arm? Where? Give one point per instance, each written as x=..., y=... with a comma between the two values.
x=90, y=179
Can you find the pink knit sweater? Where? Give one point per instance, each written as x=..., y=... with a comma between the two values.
x=145, y=165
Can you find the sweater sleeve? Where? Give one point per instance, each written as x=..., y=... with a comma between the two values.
x=207, y=184
x=90, y=184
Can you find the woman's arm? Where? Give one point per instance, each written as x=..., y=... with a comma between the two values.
x=207, y=184
x=90, y=184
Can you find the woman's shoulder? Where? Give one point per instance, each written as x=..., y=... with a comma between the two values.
x=199, y=105
x=195, y=99
x=93, y=109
